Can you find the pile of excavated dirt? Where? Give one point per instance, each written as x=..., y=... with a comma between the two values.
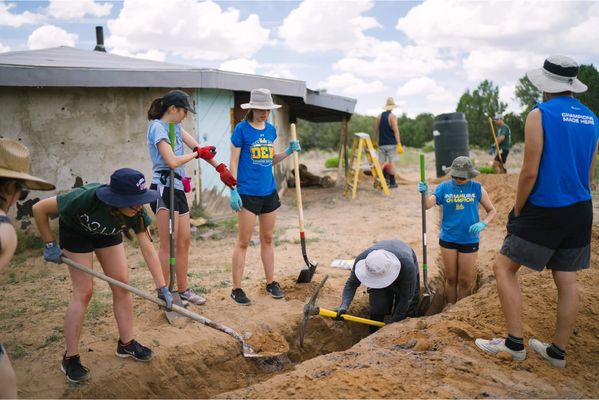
x=432, y=356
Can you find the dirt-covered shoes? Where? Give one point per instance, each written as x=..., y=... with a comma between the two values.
x=541, y=349
x=135, y=350
x=191, y=296
x=274, y=290
x=238, y=295
x=73, y=369
x=497, y=345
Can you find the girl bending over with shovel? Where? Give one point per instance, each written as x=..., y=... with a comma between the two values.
x=15, y=183
x=172, y=108
x=252, y=159
x=460, y=225
x=92, y=219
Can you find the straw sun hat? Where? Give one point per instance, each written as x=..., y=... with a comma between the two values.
x=14, y=163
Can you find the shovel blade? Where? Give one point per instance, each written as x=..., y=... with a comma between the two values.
x=306, y=274
x=172, y=316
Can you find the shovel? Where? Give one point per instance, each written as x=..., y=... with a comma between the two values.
x=306, y=273
x=427, y=297
x=501, y=166
x=171, y=316
x=246, y=349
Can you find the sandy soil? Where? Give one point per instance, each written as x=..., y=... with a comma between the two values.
x=432, y=356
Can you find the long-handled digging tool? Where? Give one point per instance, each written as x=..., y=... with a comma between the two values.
x=310, y=308
x=306, y=273
x=246, y=349
x=427, y=297
x=171, y=316
x=501, y=166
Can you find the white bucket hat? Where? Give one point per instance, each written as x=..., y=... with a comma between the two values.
x=14, y=163
x=379, y=269
x=390, y=104
x=557, y=75
x=260, y=99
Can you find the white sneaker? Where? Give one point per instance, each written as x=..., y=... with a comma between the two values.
x=497, y=345
x=541, y=349
x=190, y=296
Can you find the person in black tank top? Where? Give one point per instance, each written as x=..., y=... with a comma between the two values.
x=386, y=136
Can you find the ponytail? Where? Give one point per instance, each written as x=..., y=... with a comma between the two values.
x=156, y=110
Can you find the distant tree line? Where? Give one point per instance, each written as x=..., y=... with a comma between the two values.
x=478, y=105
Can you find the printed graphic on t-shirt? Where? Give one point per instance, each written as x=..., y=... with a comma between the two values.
x=578, y=118
x=459, y=199
x=262, y=152
x=95, y=227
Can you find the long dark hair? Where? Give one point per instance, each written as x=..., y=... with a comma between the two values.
x=4, y=184
x=118, y=217
x=157, y=109
x=249, y=116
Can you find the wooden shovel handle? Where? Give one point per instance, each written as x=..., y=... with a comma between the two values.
x=298, y=189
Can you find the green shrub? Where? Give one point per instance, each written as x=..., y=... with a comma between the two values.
x=486, y=170
x=332, y=162
x=429, y=147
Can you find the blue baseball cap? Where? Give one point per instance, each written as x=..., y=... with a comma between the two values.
x=127, y=188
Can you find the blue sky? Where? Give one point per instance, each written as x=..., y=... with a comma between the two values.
x=424, y=54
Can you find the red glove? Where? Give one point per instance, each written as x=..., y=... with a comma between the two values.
x=225, y=175
x=205, y=153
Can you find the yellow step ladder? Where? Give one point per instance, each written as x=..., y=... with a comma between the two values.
x=362, y=142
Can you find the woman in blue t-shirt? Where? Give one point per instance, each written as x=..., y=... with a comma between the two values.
x=252, y=159
x=460, y=225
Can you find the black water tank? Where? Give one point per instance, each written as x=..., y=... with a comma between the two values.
x=450, y=135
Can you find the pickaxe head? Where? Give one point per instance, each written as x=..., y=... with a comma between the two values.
x=310, y=309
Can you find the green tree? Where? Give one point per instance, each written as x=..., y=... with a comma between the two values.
x=589, y=75
x=416, y=132
x=516, y=124
x=527, y=94
x=478, y=106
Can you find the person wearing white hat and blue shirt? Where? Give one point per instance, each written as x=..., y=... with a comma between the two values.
x=252, y=159
x=551, y=222
x=389, y=270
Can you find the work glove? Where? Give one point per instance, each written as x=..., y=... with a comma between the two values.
x=294, y=145
x=477, y=228
x=206, y=152
x=225, y=175
x=52, y=252
x=399, y=148
x=340, y=312
x=167, y=296
x=235, y=202
x=423, y=187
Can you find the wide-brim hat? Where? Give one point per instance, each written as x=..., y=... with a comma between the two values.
x=390, y=104
x=260, y=99
x=379, y=269
x=557, y=75
x=127, y=188
x=14, y=163
x=462, y=167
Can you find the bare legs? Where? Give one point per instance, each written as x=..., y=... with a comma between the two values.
x=182, y=243
x=459, y=273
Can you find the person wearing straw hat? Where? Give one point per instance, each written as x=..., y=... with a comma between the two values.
x=460, y=225
x=15, y=183
x=389, y=270
x=386, y=136
x=504, y=139
x=252, y=159
x=551, y=222
x=92, y=219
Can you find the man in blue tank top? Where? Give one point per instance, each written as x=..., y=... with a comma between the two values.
x=550, y=225
x=386, y=135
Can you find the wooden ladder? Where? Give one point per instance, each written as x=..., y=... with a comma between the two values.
x=362, y=142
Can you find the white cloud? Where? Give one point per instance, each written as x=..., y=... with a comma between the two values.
x=7, y=18
x=154, y=55
x=317, y=25
x=278, y=71
x=242, y=65
x=350, y=85
x=186, y=28
x=425, y=87
x=68, y=9
x=507, y=94
x=500, y=65
x=3, y=48
x=50, y=36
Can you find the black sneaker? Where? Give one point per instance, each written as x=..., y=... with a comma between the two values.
x=135, y=350
x=274, y=290
x=73, y=369
x=238, y=295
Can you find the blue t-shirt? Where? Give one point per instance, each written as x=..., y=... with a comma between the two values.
x=460, y=210
x=157, y=131
x=254, y=171
x=570, y=132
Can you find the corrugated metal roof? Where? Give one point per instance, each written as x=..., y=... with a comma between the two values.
x=71, y=67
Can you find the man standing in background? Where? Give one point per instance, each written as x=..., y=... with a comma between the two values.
x=504, y=139
x=386, y=135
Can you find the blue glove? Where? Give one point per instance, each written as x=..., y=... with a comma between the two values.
x=293, y=146
x=167, y=296
x=235, y=200
x=477, y=228
x=52, y=252
x=423, y=187
x=340, y=312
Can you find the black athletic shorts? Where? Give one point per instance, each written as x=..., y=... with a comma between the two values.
x=504, y=154
x=261, y=204
x=460, y=247
x=163, y=201
x=78, y=242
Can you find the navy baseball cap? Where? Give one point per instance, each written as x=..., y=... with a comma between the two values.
x=177, y=98
x=127, y=188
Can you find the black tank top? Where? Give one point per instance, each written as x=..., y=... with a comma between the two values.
x=386, y=135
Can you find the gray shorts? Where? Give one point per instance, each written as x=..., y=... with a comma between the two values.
x=388, y=152
x=538, y=257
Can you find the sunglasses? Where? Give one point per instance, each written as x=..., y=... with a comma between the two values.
x=457, y=178
x=24, y=190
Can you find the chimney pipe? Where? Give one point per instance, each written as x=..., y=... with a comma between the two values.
x=100, y=39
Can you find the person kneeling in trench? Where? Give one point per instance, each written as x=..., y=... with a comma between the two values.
x=389, y=270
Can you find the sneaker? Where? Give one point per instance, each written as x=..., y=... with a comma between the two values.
x=73, y=369
x=191, y=296
x=541, y=349
x=497, y=345
x=184, y=303
x=135, y=350
x=274, y=290
x=392, y=185
x=238, y=295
